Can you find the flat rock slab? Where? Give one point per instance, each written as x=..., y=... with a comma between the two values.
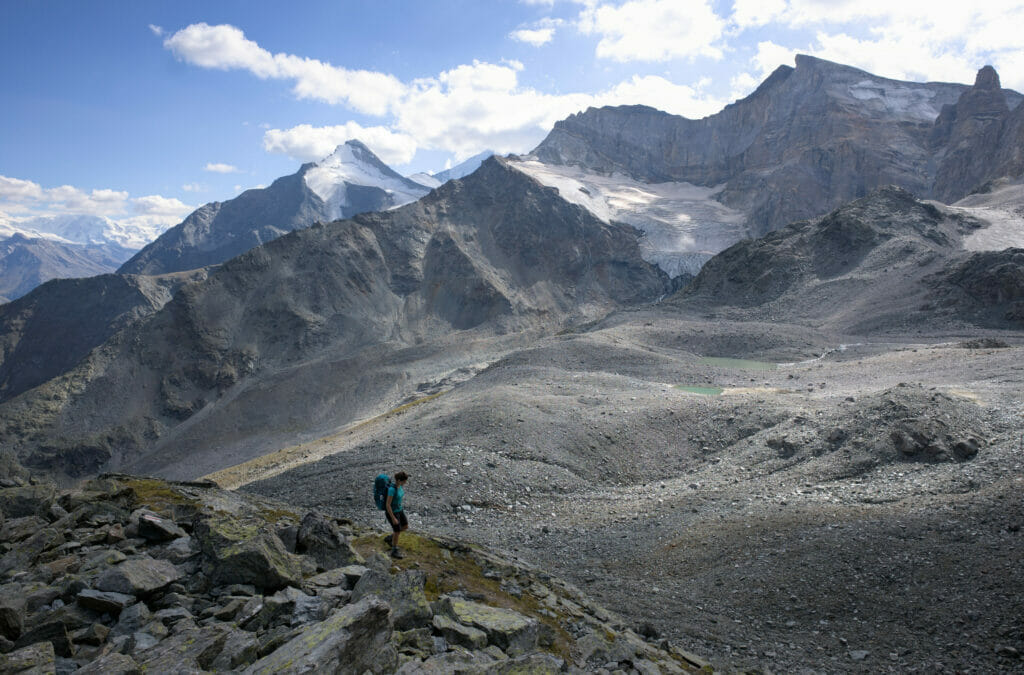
x=138, y=576
x=510, y=630
x=354, y=640
x=111, y=664
x=457, y=634
x=105, y=601
x=155, y=528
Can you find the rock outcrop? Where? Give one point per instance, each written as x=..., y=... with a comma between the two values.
x=174, y=611
x=884, y=262
x=807, y=140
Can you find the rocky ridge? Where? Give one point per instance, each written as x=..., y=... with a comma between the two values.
x=28, y=261
x=807, y=140
x=881, y=263
x=131, y=575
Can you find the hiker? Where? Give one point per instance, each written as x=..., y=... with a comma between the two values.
x=395, y=512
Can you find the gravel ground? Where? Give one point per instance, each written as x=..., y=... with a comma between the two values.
x=856, y=510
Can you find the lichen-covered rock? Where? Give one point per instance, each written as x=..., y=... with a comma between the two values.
x=188, y=651
x=132, y=619
x=354, y=640
x=514, y=633
x=321, y=540
x=455, y=633
x=105, y=601
x=27, y=500
x=138, y=576
x=239, y=649
x=245, y=551
x=405, y=592
x=36, y=659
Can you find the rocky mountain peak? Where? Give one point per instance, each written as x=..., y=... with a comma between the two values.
x=987, y=78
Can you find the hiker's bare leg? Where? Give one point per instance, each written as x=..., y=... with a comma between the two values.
x=394, y=538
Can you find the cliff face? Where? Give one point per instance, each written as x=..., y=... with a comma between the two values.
x=495, y=252
x=808, y=139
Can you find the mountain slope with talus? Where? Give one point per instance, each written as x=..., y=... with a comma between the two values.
x=319, y=327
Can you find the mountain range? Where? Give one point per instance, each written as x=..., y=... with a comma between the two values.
x=312, y=328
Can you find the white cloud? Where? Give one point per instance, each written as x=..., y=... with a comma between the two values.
x=218, y=167
x=156, y=205
x=225, y=47
x=655, y=30
x=307, y=143
x=540, y=33
x=536, y=36
x=156, y=30
x=193, y=187
x=912, y=39
x=658, y=92
x=462, y=110
x=749, y=13
x=29, y=199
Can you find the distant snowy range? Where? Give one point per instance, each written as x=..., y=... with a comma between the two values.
x=350, y=180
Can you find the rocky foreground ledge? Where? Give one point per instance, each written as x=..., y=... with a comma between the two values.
x=137, y=575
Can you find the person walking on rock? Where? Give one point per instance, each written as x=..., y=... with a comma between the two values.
x=395, y=512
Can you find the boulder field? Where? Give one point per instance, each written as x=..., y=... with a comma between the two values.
x=136, y=575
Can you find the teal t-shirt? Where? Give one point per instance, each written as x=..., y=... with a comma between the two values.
x=397, y=494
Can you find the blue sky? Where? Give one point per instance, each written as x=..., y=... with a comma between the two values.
x=141, y=111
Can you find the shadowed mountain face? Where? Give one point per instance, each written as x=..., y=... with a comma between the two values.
x=252, y=350
x=50, y=330
x=882, y=263
x=808, y=139
x=351, y=180
x=26, y=262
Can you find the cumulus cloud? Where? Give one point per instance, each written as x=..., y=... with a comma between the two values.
x=218, y=167
x=912, y=39
x=225, y=47
x=156, y=30
x=654, y=30
x=539, y=34
x=533, y=36
x=29, y=199
x=307, y=143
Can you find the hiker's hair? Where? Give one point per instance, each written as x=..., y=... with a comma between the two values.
x=401, y=476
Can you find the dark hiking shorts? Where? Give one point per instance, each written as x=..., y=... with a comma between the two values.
x=403, y=522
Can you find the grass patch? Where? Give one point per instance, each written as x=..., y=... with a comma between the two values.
x=156, y=493
x=449, y=570
x=704, y=391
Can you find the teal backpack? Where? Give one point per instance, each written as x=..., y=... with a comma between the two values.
x=380, y=490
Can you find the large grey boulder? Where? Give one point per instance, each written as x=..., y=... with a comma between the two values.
x=105, y=601
x=514, y=633
x=457, y=634
x=138, y=576
x=28, y=500
x=244, y=551
x=12, y=612
x=36, y=659
x=321, y=540
x=405, y=592
x=354, y=640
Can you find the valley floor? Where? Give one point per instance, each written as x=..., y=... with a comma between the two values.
x=811, y=518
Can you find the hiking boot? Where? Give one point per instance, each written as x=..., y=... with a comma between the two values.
x=387, y=540
x=395, y=553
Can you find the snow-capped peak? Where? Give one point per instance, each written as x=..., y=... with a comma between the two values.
x=354, y=164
